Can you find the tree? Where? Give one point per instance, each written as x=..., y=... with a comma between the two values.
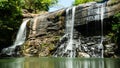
x=38, y=5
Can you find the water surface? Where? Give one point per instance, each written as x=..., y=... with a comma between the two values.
x=50, y=62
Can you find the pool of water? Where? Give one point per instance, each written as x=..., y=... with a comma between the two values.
x=50, y=62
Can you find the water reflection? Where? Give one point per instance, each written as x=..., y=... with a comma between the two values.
x=59, y=63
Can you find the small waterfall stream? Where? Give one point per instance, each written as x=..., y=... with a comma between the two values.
x=69, y=31
x=66, y=48
x=20, y=39
x=102, y=36
x=94, y=46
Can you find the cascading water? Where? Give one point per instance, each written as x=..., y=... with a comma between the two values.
x=20, y=39
x=92, y=45
x=102, y=17
x=69, y=31
x=67, y=46
x=102, y=36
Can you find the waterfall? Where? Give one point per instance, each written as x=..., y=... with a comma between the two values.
x=20, y=39
x=69, y=30
x=102, y=17
x=65, y=46
x=21, y=35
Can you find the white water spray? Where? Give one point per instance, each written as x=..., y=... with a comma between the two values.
x=21, y=35
x=20, y=39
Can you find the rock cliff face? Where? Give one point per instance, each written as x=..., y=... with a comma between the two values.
x=45, y=30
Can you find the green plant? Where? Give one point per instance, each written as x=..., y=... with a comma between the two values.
x=77, y=2
x=38, y=5
x=116, y=30
x=116, y=27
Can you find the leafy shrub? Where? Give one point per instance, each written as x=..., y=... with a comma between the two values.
x=38, y=5
x=116, y=27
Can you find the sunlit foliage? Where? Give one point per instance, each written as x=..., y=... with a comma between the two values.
x=77, y=2
x=38, y=5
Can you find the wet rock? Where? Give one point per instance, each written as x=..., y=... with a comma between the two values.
x=45, y=52
x=31, y=47
x=110, y=49
x=111, y=45
x=84, y=55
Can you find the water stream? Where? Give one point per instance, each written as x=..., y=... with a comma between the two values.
x=20, y=39
x=102, y=36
